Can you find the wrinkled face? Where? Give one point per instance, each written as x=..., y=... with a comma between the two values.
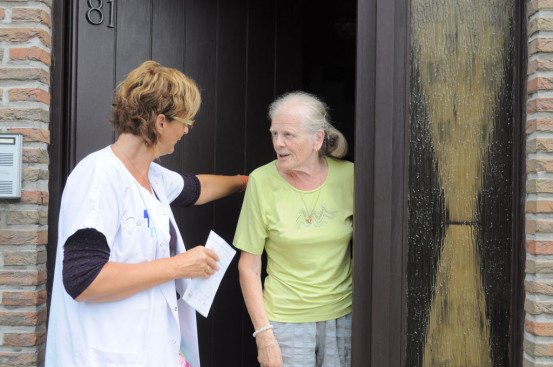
x=295, y=147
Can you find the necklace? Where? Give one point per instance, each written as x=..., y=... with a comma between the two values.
x=309, y=213
x=146, y=180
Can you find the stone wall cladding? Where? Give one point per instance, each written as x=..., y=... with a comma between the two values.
x=25, y=58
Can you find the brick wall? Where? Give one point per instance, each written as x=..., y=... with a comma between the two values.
x=538, y=323
x=25, y=47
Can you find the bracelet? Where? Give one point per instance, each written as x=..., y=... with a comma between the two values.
x=265, y=346
x=244, y=180
x=264, y=328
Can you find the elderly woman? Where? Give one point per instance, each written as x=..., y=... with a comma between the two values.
x=121, y=266
x=299, y=210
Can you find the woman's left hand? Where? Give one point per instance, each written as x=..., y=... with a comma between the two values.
x=268, y=350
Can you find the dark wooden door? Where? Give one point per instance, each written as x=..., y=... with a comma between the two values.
x=242, y=54
x=215, y=43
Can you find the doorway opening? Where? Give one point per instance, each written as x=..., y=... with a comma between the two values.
x=328, y=67
x=314, y=51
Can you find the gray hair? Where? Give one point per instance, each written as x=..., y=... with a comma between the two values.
x=313, y=114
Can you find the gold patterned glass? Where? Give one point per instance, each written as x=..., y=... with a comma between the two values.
x=460, y=182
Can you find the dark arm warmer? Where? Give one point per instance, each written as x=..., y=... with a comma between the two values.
x=190, y=192
x=84, y=254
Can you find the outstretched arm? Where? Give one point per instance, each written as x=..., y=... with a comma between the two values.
x=214, y=187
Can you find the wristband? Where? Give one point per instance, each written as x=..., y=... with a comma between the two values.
x=264, y=328
x=244, y=180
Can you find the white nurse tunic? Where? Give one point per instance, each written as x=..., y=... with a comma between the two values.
x=149, y=328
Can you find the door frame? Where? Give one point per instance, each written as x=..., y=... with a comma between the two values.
x=59, y=117
x=380, y=184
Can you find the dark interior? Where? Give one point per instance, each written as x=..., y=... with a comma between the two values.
x=329, y=59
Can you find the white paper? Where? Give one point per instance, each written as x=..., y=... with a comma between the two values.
x=201, y=291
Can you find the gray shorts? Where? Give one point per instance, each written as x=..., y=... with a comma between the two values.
x=315, y=344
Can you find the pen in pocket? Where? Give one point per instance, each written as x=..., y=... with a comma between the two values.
x=147, y=217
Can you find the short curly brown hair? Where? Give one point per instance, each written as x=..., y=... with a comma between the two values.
x=148, y=91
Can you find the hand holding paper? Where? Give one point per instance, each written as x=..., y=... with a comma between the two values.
x=201, y=292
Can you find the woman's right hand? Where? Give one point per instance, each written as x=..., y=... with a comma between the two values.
x=268, y=350
x=196, y=262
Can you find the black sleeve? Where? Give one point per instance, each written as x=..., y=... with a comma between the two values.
x=190, y=192
x=84, y=254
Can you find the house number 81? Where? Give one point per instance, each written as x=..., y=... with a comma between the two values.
x=95, y=16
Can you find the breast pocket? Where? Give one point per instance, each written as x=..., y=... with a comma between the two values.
x=132, y=224
x=136, y=242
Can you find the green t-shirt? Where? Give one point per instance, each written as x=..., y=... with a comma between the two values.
x=309, y=265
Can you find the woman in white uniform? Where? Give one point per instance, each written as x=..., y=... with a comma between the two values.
x=121, y=266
